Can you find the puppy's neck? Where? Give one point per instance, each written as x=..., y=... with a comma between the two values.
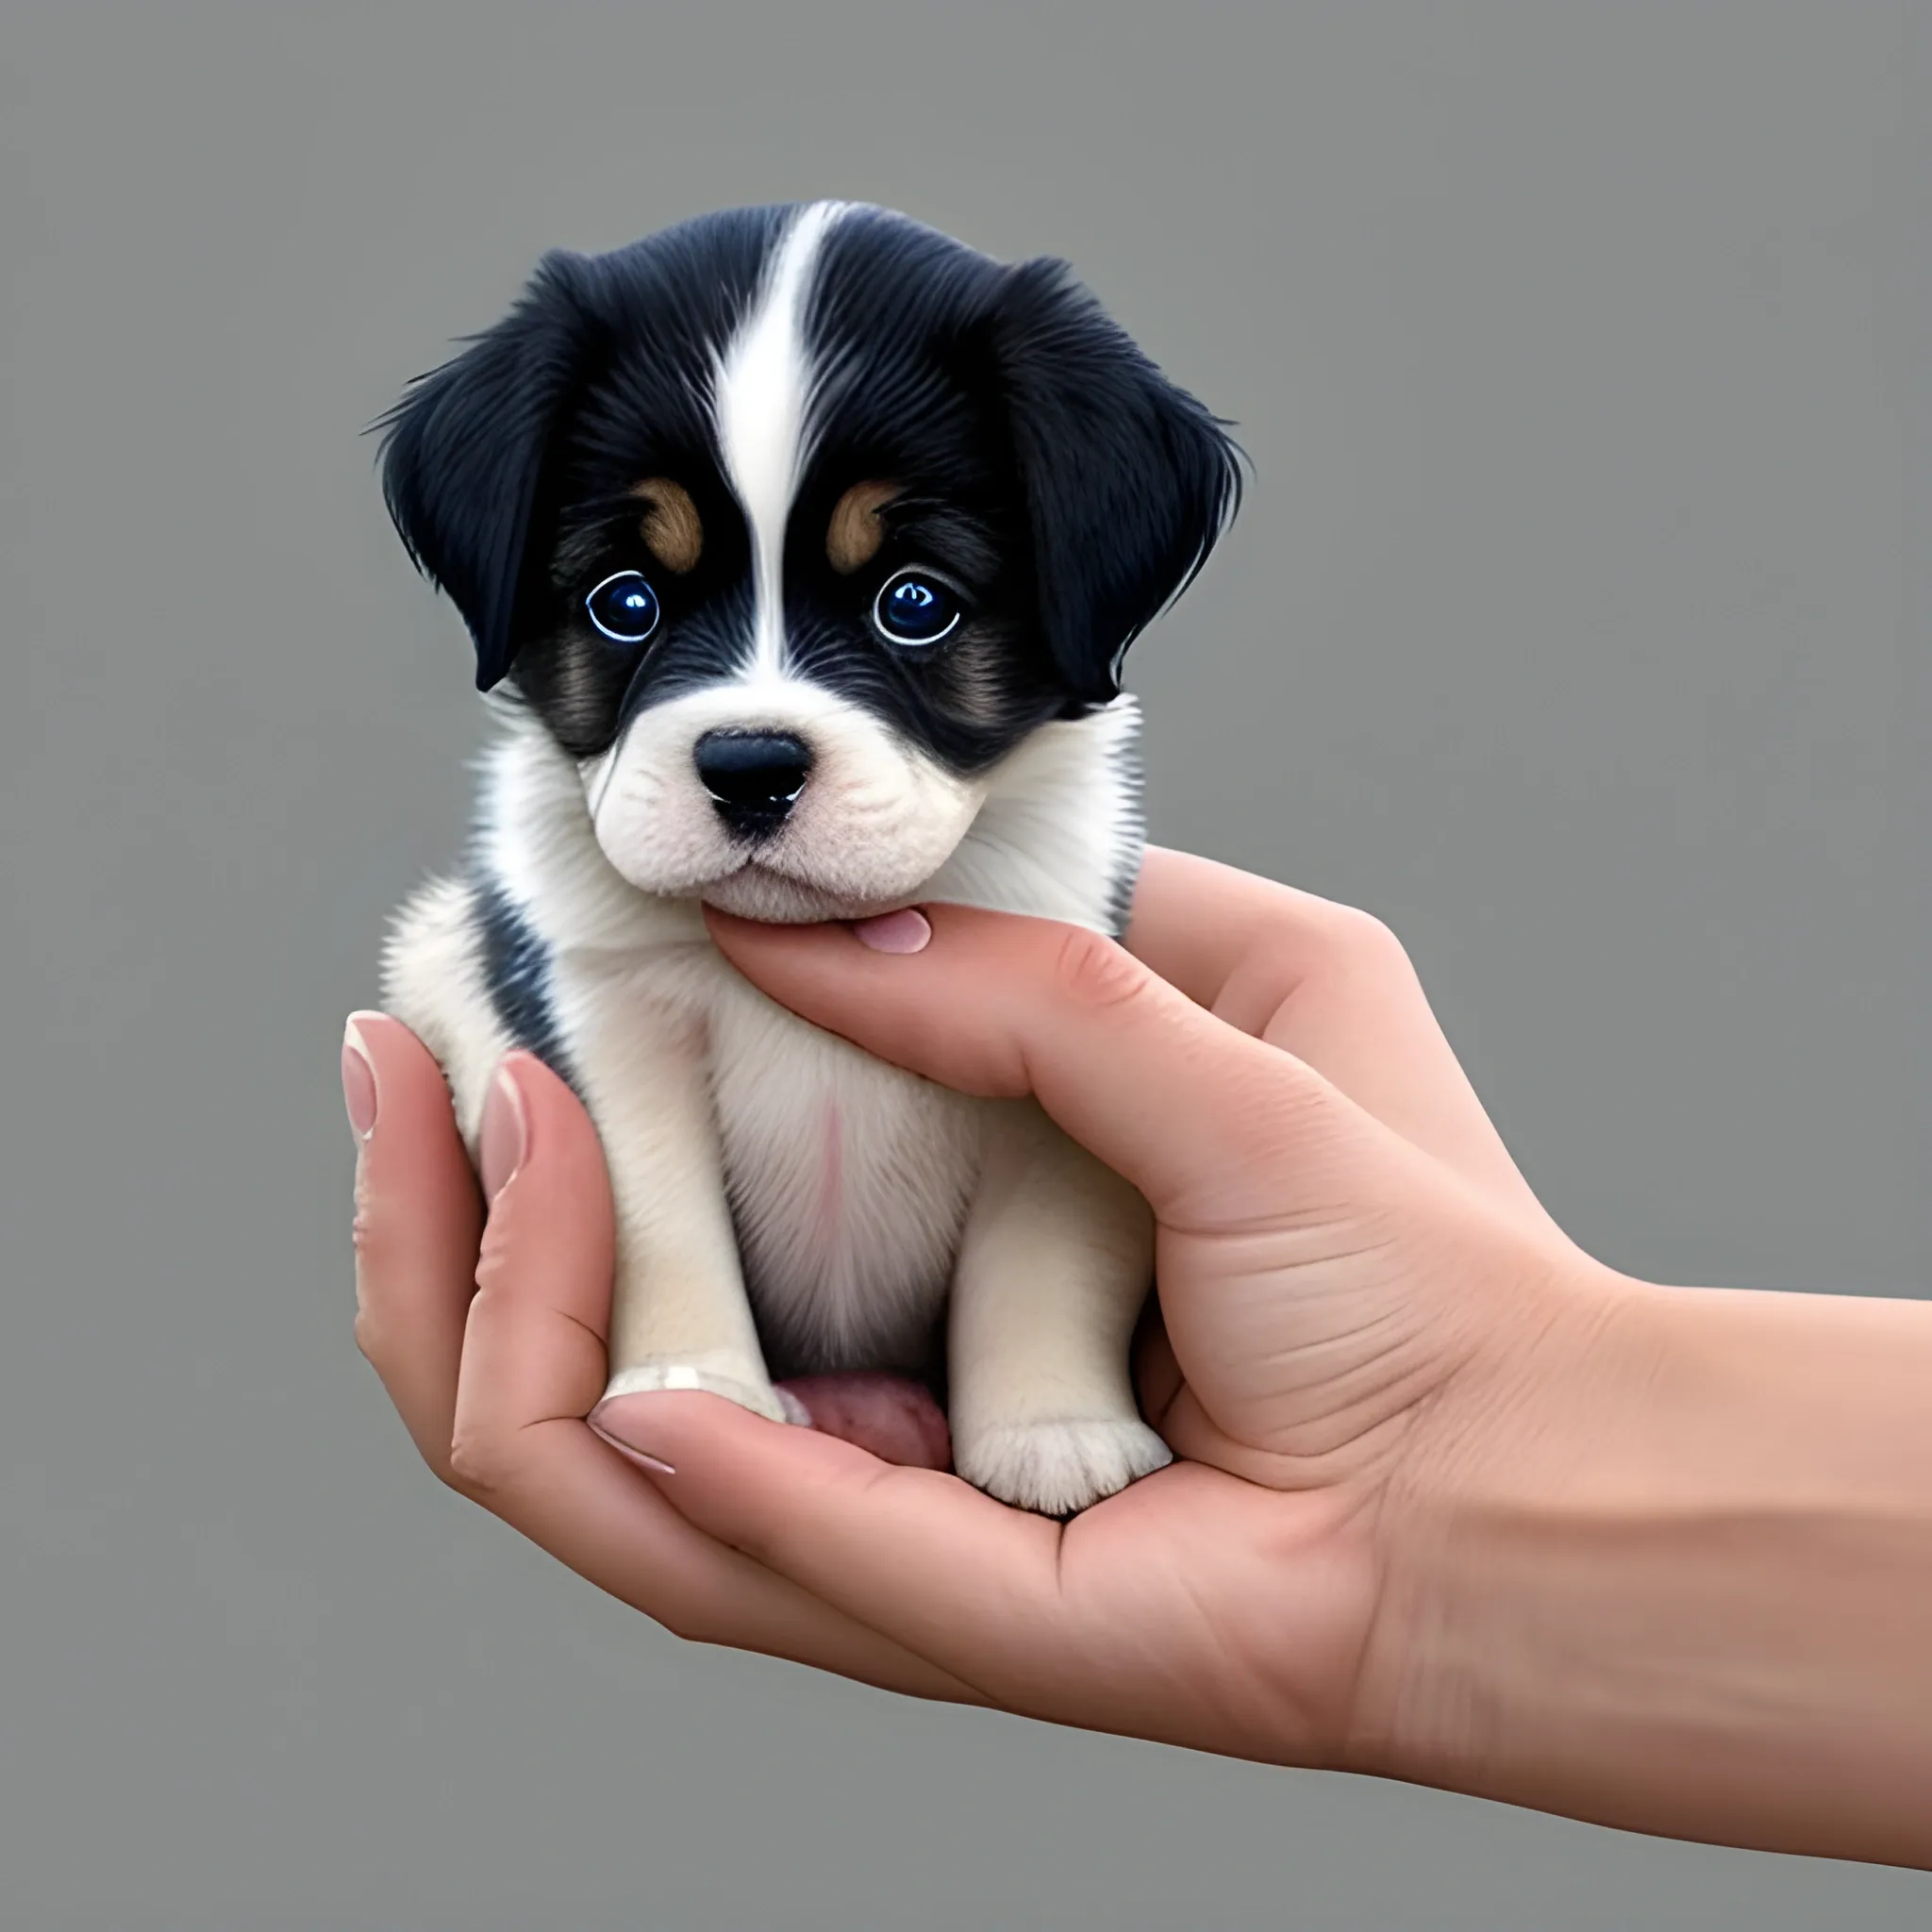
x=1060, y=836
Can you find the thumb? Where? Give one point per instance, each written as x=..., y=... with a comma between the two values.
x=995, y=1005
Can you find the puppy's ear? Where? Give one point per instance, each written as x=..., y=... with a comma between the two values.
x=1128, y=480
x=464, y=455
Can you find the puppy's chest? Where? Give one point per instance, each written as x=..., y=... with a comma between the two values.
x=849, y=1183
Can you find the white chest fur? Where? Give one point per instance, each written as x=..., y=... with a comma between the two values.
x=846, y=1179
x=848, y=1182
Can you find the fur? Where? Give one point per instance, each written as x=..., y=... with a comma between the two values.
x=741, y=396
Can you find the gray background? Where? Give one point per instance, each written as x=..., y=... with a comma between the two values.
x=1576, y=624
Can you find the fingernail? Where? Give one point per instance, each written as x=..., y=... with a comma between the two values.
x=359, y=1083
x=603, y=1434
x=895, y=932
x=506, y=1135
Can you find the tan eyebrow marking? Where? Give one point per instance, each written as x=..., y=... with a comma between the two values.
x=671, y=524
x=856, y=532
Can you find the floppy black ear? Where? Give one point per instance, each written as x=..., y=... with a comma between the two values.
x=1128, y=480
x=464, y=455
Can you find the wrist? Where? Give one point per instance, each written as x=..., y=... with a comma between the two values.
x=1497, y=1463
x=1666, y=1564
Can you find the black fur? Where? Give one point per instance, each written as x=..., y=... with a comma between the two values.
x=1052, y=473
x=1128, y=481
x=516, y=971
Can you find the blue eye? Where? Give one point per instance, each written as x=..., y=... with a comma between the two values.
x=915, y=609
x=623, y=608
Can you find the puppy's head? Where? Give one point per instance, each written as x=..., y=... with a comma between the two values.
x=790, y=524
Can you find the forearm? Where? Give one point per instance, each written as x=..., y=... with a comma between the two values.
x=1686, y=1587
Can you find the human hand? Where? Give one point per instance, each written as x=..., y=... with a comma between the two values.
x=1459, y=1505
x=1341, y=1232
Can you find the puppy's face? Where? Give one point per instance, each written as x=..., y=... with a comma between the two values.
x=790, y=524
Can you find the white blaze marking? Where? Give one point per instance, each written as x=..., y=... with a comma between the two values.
x=760, y=401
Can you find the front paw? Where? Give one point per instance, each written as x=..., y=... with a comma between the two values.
x=647, y=1378
x=1059, y=1468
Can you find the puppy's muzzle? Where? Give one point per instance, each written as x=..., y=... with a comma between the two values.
x=754, y=778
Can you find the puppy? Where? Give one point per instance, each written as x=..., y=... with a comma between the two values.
x=800, y=547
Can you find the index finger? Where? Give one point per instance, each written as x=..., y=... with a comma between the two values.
x=1001, y=1005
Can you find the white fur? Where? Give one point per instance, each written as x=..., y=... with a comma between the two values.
x=759, y=1164
x=433, y=980
x=760, y=404
x=1059, y=825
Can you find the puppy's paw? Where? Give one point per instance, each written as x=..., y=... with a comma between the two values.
x=1059, y=1468
x=735, y=1384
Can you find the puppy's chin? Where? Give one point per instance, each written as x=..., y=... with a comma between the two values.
x=774, y=900
x=780, y=889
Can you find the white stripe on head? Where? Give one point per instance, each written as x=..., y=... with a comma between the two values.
x=761, y=394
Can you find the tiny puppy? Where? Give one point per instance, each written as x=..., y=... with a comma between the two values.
x=800, y=547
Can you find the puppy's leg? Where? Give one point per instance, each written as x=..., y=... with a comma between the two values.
x=679, y=1314
x=1056, y=1261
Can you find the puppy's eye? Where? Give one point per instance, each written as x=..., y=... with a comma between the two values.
x=915, y=607
x=624, y=608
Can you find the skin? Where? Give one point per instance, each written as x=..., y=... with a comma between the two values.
x=1457, y=1503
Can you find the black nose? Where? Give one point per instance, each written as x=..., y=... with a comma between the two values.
x=754, y=776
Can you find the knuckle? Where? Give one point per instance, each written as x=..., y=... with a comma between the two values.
x=435, y=1457
x=479, y=1466
x=1091, y=971
x=1359, y=941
